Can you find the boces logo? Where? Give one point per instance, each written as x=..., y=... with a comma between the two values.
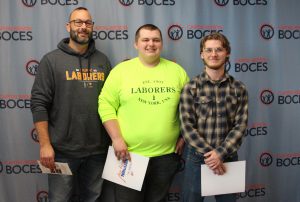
x=267, y=159
x=251, y=65
x=42, y=196
x=253, y=191
x=34, y=136
x=181, y=166
x=223, y=3
x=19, y=167
x=173, y=194
x=267, y=97
x=289, y=32
x=266, y=31
x=32, y=3
x=227, y=66
x=257, y=129
x=177, y=31
x=127, y=3
x=29, y=3
x=16, y=33
x=112, y=32
x=31, y=67
x=1, y=167
x=15, y=101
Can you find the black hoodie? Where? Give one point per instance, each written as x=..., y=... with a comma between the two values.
x=65, y=93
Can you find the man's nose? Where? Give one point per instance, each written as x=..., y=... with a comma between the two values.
x=151, y=42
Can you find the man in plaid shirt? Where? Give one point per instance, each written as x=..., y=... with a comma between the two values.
x=214, y=114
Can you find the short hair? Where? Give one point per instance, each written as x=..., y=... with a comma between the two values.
x=147, y=27
x=216, y=36
x=77, y=9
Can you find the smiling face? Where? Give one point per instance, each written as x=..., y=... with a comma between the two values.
x=80, y=33
x=149, y=46
x=214, y=55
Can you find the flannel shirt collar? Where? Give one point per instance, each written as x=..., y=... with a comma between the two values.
x=205, y=78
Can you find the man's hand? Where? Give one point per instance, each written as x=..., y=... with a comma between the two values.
x=220, y=170
x=179, y=146
x=212, y=159
x=120, y=148
x=119, y=145
x=47, y=156
x=46, y=150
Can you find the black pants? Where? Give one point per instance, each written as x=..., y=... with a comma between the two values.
x=159, y=175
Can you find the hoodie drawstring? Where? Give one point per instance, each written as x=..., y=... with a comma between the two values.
x=89, y=66
x=80, y=65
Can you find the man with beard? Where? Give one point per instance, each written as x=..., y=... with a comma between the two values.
x=64, y=108
x=214, y=114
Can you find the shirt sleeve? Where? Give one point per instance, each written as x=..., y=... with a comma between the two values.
x=109, y=99
x=188, y=121
x=185, y=77
x=234, y=137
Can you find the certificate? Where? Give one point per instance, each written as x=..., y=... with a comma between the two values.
x=60, y=169
x=233, y=181
x=127, y=173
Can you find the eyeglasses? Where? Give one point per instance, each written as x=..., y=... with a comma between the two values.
x=216, y=50
x=79, y=23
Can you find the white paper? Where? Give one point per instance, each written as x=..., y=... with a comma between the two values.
x=233, y=181
x=129, y=173
x=60, y=169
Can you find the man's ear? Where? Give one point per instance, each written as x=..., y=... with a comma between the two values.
x=68, y=28
x=201, y=55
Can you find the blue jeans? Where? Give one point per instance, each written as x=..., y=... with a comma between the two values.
x=191, y=186
x=87, y=172
x=159, y=175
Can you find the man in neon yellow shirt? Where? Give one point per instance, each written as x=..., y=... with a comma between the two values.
x=138, y=106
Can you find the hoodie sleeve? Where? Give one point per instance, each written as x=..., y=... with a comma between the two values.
x=42, y=91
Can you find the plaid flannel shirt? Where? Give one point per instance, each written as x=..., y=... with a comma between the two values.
x=214, y=115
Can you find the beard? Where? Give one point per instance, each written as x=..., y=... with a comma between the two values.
x=75, y=36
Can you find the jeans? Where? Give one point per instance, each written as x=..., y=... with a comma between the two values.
x=87, y=172
x=159, y=175
x=191, y=186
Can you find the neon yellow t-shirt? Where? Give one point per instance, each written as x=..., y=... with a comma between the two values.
x=145, y=101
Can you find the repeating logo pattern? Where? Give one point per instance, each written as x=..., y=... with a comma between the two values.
x=267, y=31
x=126, y=2
x=265, y=159
x=266, y=97
x=175, y=32
x=221, y=2
x=29, y=3
x=42, y=196
x=34, y=135
x=31, y=67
